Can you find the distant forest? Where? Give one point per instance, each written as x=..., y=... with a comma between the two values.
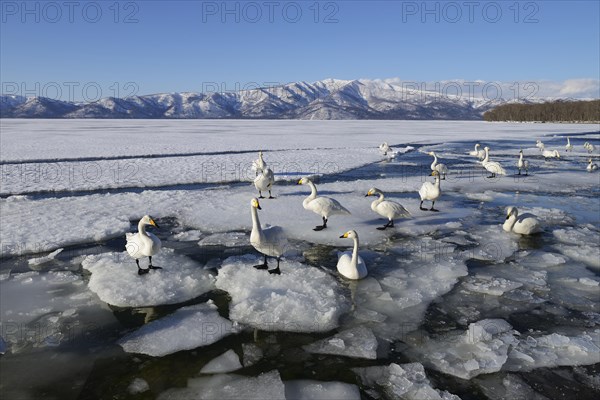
x=556, y=111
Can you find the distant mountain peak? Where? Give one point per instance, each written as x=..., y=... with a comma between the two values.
x=326, y=99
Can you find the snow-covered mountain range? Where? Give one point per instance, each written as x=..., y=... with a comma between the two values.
x=326, y=99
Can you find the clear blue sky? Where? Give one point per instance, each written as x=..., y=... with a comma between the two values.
x=185, y=45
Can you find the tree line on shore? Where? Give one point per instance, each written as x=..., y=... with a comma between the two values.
x=555, y=111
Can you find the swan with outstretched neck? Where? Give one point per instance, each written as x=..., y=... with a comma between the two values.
x=143, y=244
x=477, y=152
x=435, y=166
x=264, y=181
x=321, y=205
x=493, y=167
x=522, y=164
x=269, y=241
x=351, y=265
x=430, y=191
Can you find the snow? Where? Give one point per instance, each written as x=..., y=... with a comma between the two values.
x=359, y=342
x=116, y=281
x=402, y=381
x=490, y=285
x=223, y=386
x=312, y=390
x=187, y=328
x=279, y=302
x=226, y=362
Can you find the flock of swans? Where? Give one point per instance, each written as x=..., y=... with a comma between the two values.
x=272, y=242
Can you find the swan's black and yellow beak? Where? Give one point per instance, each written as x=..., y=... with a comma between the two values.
x=258, y=206
x=299, y=182
x=345, y=235
x=508, y=216
x=153, y=223
x=367, y=195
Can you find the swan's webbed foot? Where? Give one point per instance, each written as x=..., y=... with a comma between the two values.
x=143, y=271
x=390, y=224
x=434, y=209
x=319, y=228
x=381, y=228
x=261, y=266
x=421, y=206
x=153, y=267
x=261, y=197
x=275, y=271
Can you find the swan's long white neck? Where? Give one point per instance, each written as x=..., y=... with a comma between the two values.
x=255, y=220
x=142, y=228
x=355, y=252
x=568, y=141
x=477, y=147
x=434, y=163
x=509, y=223
x=520, y=156
x=487, y=156
x=313, y=190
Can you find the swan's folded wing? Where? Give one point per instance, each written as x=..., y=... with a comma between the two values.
x=275, y=235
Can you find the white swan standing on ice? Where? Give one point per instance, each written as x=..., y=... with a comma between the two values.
x=269, y=241
x=440, y=168
x=568, y=146
x=589, y=147
x=259, y=164
x=264, y=181
x=324, y=206
x=551, y=154
x=591, y=167
x=539, y=145
x=492, y=167
x=524, y=224
x=522, y=164
x=351, y=265
x=480, y=154
x=387, y=151
x=430, y=191
x=386, y=208
x=143, y=244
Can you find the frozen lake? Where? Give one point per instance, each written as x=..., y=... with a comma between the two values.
x=452, y=307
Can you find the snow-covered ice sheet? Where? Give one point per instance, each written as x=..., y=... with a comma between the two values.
x=116, y=281
x=187, y=328
x=301, y=299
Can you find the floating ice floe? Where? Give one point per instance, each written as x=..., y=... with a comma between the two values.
x=185, y=329
x=404, y=381
x=227, y=239
x=228, y=386
x=226, y=362
x=187, y=236
x=481, y=349
x=554, y=350
x=252, y=354
x=494, y=244
x=313, y=390
x=116, y=281
x=580, y=244
x=489, y=284
x=138, y=385
x=301, y=299
x=510, y=386
x=42, y=260
x=358, y=342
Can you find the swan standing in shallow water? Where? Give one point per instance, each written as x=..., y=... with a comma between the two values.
x=440, y=168
x=591, y=167
x=430, y=191
x=324, y=206
x=269, y=241
x=477, y=152
x=525, y=224
x=264, y=181
x=568, y=146
x=522, y=164
x=351, y=265
x=492, y=166
x=551, y=154
x=386, y=208
x=143, y=244
x=259, y=164
x=539, y=145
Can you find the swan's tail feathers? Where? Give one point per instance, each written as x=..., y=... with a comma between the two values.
x=129, y=236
